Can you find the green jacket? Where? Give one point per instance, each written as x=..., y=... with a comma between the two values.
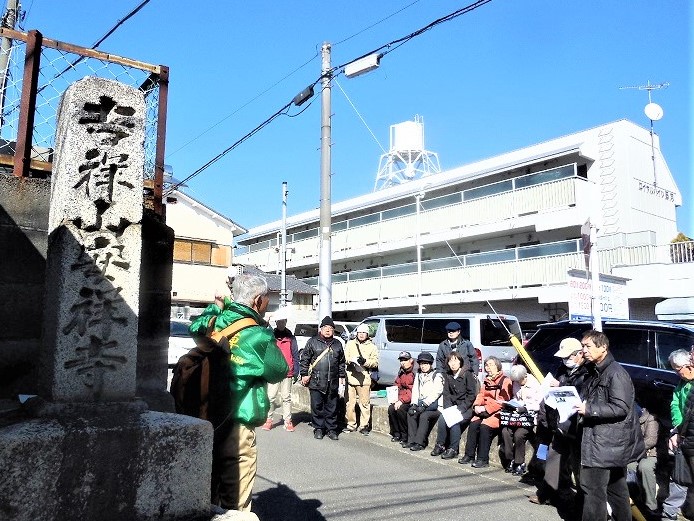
x=255, y=360
x=679, y=402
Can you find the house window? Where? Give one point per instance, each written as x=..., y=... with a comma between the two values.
x=198, y=252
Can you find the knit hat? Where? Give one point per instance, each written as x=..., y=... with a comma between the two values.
x=327, y=321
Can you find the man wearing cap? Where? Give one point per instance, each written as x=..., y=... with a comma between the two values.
x=456, y=342
x=362, y=358
x=397, y=412
x=322, y=369
x=564, y=453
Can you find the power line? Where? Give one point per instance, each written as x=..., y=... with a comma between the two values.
x=400, y=41
x=284, y=109
x=376, y=23
x=244, y=105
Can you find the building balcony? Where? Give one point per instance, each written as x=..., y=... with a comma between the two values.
x=491, y=210
x=512, y=273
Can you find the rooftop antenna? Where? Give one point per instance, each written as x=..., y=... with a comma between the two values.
x=653, y=111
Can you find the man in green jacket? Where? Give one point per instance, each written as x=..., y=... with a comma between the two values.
x=242, y=403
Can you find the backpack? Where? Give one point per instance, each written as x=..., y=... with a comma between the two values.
x=204, y=371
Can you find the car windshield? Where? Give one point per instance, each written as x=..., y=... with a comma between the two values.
x=494, y=331
x=306, y=330
x=179, y=329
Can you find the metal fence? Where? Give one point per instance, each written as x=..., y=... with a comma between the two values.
x=34, y=74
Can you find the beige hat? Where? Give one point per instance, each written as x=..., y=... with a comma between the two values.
x=567, y=347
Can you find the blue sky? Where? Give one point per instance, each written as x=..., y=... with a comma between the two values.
x=508, y=75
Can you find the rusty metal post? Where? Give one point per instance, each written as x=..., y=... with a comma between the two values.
x=161, y=140
x=30, y=80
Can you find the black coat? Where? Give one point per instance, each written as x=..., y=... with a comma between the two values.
x=326, y=375
x=611, y=431
x=460, y=391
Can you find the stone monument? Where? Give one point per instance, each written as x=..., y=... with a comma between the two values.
x=87, y=448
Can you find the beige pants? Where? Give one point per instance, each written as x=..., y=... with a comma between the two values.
x=363, y=392
x=234, y=468
x=281, y=391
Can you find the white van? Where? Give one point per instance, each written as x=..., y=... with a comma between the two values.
x=489, y=335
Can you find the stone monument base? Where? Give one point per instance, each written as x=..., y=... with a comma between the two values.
x=110, y=466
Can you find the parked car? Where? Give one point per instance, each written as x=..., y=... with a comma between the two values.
x=180, y=341
x=642, y=347
x=489, y=335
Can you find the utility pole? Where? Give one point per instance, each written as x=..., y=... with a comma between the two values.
x=9, y=20
x=325, y=275
x=283, y=249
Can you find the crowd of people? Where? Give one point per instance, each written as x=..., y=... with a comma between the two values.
x=607, y=453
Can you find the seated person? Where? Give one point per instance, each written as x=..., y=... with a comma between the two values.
x=459, y=390
x=397, y=412
x=645, y=467
x=496, y=388
x=423, y=412
x=526, y=392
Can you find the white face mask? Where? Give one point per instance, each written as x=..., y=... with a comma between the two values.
x=570, y=364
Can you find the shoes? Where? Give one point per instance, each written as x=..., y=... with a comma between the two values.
x=289, y=426
x=364, y=431
x=332, y=435
x=318, y=434
x=665, y=515
x=537, y=501
x=480, y=464
x=267, y=425
x=465, y=460
x=416, y=447
x=348, y=429
x=449, y=454
x=395, y=438
x=438, y=450
x=405, y=444
x=518, y=470
x=510, y=467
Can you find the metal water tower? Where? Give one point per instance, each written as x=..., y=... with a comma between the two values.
x=407, y=159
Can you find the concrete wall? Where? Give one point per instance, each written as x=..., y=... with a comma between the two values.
x=23, y=242
x=24, y=205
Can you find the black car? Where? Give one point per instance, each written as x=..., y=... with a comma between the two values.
x=641, y=347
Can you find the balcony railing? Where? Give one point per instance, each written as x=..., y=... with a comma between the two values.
x=458, y=218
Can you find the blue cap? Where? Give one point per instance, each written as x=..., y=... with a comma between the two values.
x=452, y=326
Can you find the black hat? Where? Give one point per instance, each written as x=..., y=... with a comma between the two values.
x=425, y=356
x=327, y=321
x=452, y=326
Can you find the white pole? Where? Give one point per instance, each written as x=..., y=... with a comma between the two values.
x=283, y=248
x=418, y=198
x=595, y=278
x=325, y=265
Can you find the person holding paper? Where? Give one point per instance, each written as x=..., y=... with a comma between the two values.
x=496, y=388
x=459, y=391
x=525, y=404
x=362, y=358
x=397, y=412
x=612, y=436
x=564, y=451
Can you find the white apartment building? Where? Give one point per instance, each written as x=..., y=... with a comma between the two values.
x=502, y=231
